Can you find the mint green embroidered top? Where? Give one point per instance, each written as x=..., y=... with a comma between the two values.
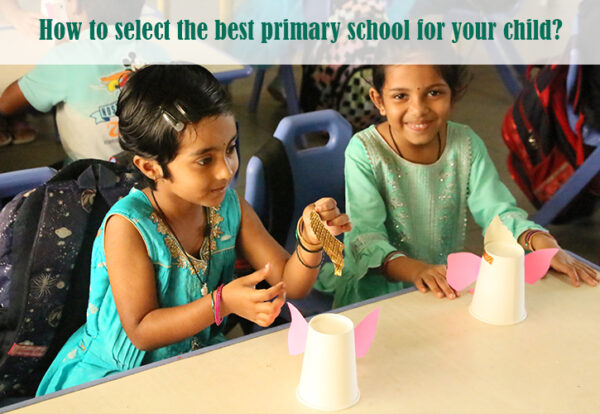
x=419, y=210
x=101, y=347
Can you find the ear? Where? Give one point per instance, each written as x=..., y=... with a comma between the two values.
x=150, y=168
x=377, y=100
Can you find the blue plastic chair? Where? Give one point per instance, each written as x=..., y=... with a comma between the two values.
x=583, y=174
x=228, y=76
x=286, y=74
x=14, y=182
x=317, y=172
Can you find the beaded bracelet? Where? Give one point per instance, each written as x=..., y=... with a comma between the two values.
x=218, y=295
x=306, y=246
x=306, y=265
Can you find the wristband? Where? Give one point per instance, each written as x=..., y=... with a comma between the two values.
x=305, y=245
x=392, y=256
x=306, y=265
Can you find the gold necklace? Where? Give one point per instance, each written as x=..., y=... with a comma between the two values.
x=204, y=289
x=398, y=149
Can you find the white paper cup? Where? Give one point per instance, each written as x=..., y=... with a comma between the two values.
x=499, y=297
x=328, y=379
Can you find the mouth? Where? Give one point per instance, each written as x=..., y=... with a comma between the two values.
x=418, y=126
x=218, y=190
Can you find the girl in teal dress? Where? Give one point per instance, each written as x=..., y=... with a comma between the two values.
x=409, y=183
x=162, y=262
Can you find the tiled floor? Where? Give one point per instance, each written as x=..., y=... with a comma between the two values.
x=483, y=108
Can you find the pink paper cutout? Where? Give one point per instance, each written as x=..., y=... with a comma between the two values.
x=298, y=331
x=537, y=264
x=364, y=333
x=462, y=270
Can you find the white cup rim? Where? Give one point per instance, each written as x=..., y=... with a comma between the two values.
x=499, y=249
x=344, y=323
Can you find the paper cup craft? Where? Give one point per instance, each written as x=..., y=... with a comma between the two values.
x=330, y=344
x=501, y=273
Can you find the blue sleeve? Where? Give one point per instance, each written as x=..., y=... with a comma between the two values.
x=489, y=197
x=45, y=86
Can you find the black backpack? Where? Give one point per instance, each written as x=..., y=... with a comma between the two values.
x=46, y=238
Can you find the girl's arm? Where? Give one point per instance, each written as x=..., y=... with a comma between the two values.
x=489, y=197
x=259, y=248
x=133, y=284
x=149, y=326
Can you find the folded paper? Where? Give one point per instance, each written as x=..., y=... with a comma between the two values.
x=500, y=275
x=364, y=332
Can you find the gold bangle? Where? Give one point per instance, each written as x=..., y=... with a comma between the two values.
x=305, y=244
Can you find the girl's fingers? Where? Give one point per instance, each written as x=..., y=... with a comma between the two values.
x=443, y=284
x=433, y=286
x=263, y=295
x=338, y=221
x=590, y=271
x=586, y=276
x=325, y=204
x=420, y=285
x=572, y=273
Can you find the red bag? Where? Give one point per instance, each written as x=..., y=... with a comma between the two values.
x=544, y=150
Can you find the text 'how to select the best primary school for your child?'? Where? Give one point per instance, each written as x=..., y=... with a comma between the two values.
x=286, y=30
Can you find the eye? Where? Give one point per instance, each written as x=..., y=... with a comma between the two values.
x=204, y=161
x=231, y=148
x=401, y=96
x=436, y=92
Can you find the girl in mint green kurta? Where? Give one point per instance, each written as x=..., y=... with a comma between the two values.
x=409, y=184
x=419, y=210
x=101, y=347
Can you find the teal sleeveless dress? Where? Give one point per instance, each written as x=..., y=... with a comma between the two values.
x=101, y=347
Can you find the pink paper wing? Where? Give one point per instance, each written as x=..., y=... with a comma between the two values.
x=537, y=264
x=364, y=333
x=463, y=269
x=298, y=331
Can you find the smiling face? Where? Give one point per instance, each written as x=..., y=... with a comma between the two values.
x=417, y=102
x=205, y=163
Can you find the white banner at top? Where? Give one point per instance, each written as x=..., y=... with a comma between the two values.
x=300, y=32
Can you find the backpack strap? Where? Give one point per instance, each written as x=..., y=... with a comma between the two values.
x=280, y=188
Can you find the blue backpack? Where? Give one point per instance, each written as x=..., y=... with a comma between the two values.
x=46, y=238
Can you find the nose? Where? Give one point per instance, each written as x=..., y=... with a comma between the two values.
x=226, y=168
x=418, y=106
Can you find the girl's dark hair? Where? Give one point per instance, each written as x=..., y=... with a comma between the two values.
x=457, y=77
x=156, y=104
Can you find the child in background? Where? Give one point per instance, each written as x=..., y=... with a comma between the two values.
x=409, y=183
x=162, y=263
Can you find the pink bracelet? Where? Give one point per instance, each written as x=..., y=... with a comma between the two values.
x=218, y=318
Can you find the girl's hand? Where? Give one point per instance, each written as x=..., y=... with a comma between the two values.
x=333, y=220
x=575, y=269
x=565, y=263
x=256, y=305
x=433, y=277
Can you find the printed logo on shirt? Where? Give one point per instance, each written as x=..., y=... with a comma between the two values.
x=116, y=80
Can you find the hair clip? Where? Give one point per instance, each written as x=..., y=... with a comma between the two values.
x=177, y=125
